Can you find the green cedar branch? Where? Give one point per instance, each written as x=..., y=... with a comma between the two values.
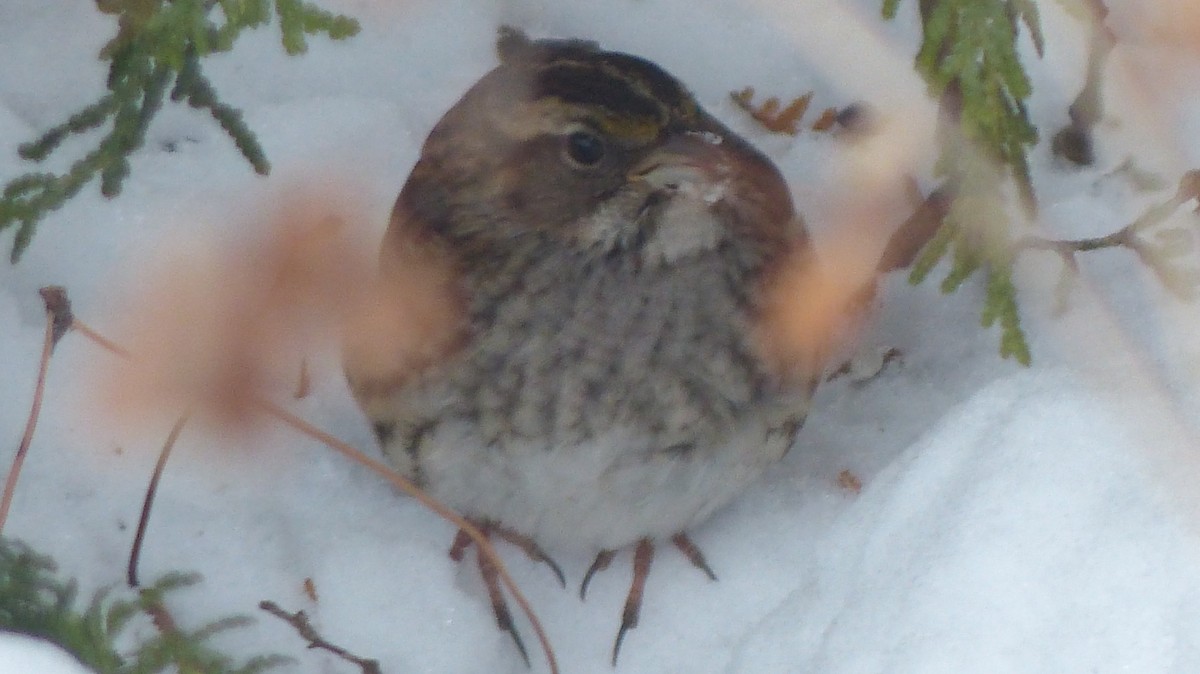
x=968, y=57
x=927, y=236
x=189, y=650
x=1001, y=304
x=158, y=47
x=33, y=601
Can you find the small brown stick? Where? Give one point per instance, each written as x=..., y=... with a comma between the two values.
x=643, y=555
x=299, y=622
x=1126, y=237
x=58, y=319
x=104, y=342
x=398, y=481
x=135, y=553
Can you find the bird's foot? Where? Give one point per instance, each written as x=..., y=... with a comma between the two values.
x=527, y=545
x=530, y=548
x=643, y=555
x=491, y=579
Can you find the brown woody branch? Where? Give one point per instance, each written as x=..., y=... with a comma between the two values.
x=299, y=622
x=58, y=320
x=481, y=541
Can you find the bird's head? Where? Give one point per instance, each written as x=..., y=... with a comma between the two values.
x=597, y=150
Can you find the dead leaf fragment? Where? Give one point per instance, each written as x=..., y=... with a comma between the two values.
x=849, y=481
x=769, y=114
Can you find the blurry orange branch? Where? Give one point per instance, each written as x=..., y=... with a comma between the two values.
x=59, y=320
x=406, y=486
x=916, y=231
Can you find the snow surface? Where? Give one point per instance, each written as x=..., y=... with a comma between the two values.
x=20, y=653
x=1040, y=520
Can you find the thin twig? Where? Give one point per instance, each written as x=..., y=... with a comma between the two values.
x=58, y=315
x=135, y=553
x=397, y=480
x=299, y=622
x=481, y=541
x=912, y=235
x=100, y=339
x=1125, y=237
x=1066, y=249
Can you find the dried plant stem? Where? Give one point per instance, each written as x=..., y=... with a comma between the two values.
x=1125, y=237
x=477, y=537
x=481, y=541
x=135, y=553
x=10, y=484
x=1066, y=249
x=299, y=622
x=104, y=342
x=912, y=235
x=58, y=315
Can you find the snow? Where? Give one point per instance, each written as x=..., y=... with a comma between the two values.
x=24, y=654
x=1039, y=520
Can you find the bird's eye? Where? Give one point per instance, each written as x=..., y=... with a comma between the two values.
x=584, y=149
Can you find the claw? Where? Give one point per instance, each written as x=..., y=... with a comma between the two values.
x=491, y=579
x=459, y=547
x=499, y=606
x=689, y=550
x=603, y=559
x=531, y=550
x=642, y=557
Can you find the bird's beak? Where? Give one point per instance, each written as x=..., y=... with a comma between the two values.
x=687, y=161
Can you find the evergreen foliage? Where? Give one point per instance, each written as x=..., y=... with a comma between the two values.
x=156, y=53
x=36, y=603
x=969, y=59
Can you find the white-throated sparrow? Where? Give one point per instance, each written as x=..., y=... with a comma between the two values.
x=594, y=363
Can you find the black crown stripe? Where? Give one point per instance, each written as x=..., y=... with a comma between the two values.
x=593, y=85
